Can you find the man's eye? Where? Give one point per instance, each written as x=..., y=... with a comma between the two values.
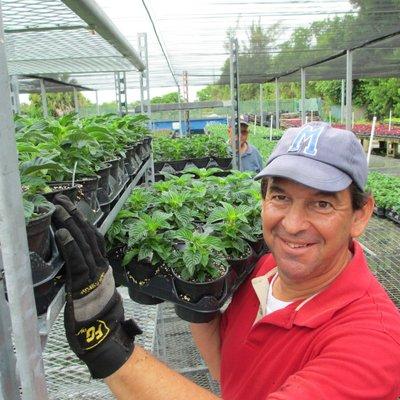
x=324, y=205
x=279, y=197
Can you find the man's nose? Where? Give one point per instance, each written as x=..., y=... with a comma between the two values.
x=295, y=219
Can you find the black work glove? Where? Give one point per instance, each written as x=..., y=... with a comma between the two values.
x=94, y=316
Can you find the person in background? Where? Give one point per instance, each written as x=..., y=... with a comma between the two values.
x=250, y=157
x=311, y=322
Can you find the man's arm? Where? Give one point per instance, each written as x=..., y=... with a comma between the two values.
x=143, y=377
x=207, y=339
x=94, y=320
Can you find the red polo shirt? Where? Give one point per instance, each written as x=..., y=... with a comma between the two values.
x=343, y=344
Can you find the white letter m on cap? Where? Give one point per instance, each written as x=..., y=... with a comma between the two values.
x=307, y=138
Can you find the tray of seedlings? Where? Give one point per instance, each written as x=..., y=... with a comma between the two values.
x=188, y=241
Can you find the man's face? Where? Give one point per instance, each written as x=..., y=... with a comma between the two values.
x=308, y=231
x=244, y=134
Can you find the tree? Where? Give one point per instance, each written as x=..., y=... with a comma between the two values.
x=166, y=98
x=59, y=103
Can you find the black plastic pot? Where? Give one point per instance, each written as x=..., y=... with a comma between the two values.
x=63, y=188
x=201, y=162
x=178, y=165
x=242, y=265
x=158, y=166
x=223, y=163
x=38, y=232
x=104, y=189
x=123, y=173
x=140, y=273
x=142, y=298
x=259, y=246
x=146, y=146
x=131, y=164
x=138, y=153
x=114, y=170
x=115, y=257
x=379, y=212
x=193, y=292
x=88, y=203
x=89, y=190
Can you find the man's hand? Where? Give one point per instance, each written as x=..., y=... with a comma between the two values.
x=93, y=316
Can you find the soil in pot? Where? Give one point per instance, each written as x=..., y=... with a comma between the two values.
x=193, y=292
x=140, y=272
x=38, y=232
x=65, y=188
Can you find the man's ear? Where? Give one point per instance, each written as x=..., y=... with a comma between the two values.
x=361, y=218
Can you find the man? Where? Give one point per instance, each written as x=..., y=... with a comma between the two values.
x=251, y=159
x=312, y=322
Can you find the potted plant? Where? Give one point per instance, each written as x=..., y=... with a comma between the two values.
x=147, y=251
x=199, y=268
x=232, y=226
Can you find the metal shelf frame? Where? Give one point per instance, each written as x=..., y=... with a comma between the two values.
x=22, y=374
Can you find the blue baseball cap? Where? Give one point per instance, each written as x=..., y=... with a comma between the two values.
x=319, y=156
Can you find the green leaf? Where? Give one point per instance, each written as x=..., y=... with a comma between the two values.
x=38, y=164
x=29, y=208
x=129, y=255
x=145, y=253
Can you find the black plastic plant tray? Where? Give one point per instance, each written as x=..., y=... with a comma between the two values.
x=162, y=286
x=46, y=276
x=94, y=216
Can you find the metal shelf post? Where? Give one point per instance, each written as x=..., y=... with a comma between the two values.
x=235, y=116
x=349, y=88
x=14, y=251
x=144, y=76
x=15, y=94
x=303, y=95
x=120, y=92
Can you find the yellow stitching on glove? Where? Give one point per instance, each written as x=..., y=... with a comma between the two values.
x=94, y=334
x=93, y=285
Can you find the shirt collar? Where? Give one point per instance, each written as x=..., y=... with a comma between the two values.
x=350, y=285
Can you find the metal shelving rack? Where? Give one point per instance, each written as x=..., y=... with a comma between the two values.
x=62, y=31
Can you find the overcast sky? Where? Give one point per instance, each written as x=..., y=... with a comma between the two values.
x=193, y=32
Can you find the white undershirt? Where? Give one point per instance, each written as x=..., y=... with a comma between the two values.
x=274, y=304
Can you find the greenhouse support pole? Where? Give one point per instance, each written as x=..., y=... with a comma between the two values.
x=145, y=106
x=261, y=105
x=235, y=96
x=97, y=103
x=15, y=94
x=371, y=139
x=277, y=103
x=349, y=88
x=342, y=98
x=14, y=251
x=180, y=112
x=44, y=99
x=303, y=95
x=76, y=102
x=9, y=384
